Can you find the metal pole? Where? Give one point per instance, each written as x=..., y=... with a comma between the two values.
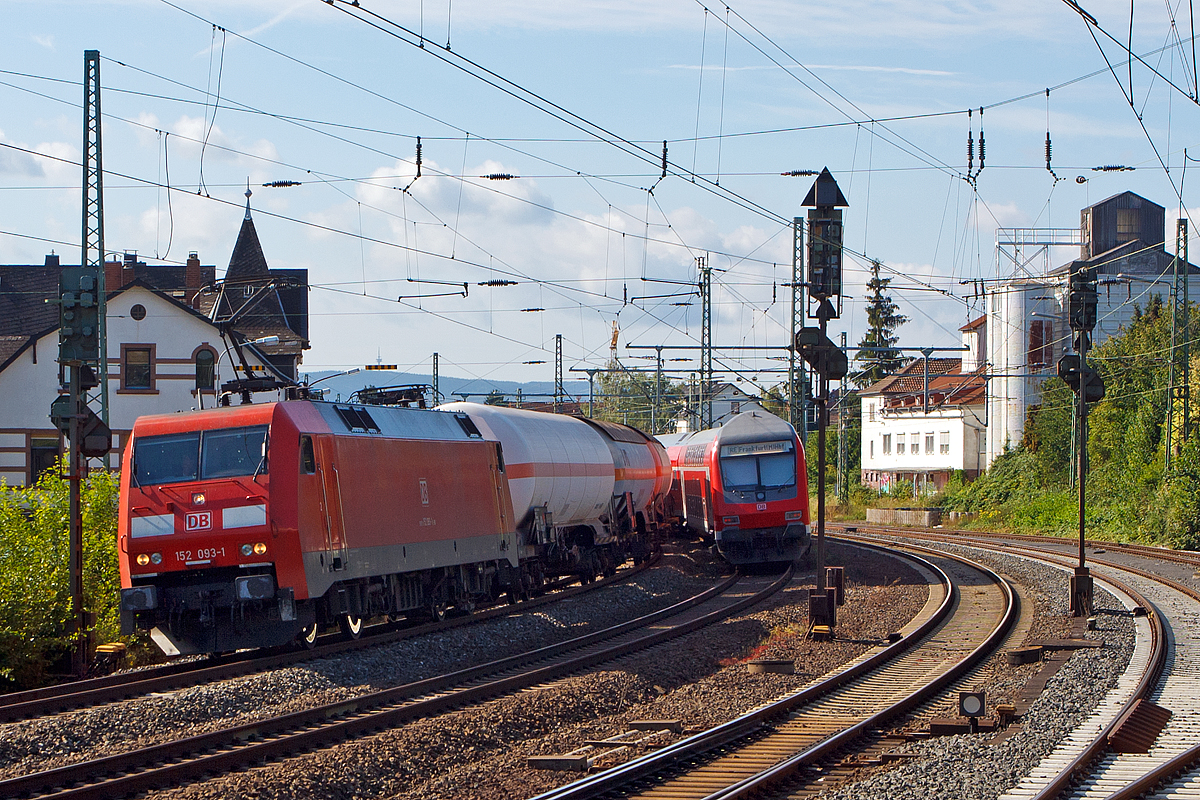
x=591, y=392
x=822, y=421
x=93, y=212
x=75, y=526
x=797, y=307
x=706, y=386
x=558, y=378
x=657, y=391
x=436, y=393
x=1185, y=366
x=843, y=476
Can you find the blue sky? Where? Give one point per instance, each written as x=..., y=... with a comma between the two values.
x=309, y=93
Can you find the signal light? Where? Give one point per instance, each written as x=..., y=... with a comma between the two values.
x=260, y=548
x=143, y=559
x=247, y=549
x=156, y=558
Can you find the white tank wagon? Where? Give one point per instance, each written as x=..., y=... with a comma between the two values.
x=581, y=496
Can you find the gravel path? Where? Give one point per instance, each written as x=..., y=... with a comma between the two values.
x=700, y=679
x=70, y=737
x=971, y=767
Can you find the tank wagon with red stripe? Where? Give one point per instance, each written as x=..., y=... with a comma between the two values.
x=743, y=486
x=255, y=525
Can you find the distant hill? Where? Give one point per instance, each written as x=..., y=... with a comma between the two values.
x=341, y=386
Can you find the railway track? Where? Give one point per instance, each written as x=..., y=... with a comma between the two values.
x=960, y=625
x=231, y=749
x=173, y=676
x=1150, y=757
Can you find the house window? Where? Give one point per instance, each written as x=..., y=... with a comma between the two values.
x=205, y=370
x=137, y=367
x=735, y=407
x=887, y=444
x=929, y=444
x=944, y=442
x=42, y=454
x=899, y=444
x=872, y=448
x=138, y=312
x=1041, y=343
x=870, y=412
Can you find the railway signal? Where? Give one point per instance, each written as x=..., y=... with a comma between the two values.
x=1088, y=387
x=824, y=285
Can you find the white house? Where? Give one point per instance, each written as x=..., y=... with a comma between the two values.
x=165, y=353
x=926, y=421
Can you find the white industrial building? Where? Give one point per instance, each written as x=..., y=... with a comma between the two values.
x=1027, y=331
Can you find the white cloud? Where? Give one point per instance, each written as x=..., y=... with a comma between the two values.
x=45, y=41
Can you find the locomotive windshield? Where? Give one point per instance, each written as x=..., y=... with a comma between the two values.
x=758, y=465
x=219, y=453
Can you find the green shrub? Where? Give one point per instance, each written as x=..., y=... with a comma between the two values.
x=35, y=591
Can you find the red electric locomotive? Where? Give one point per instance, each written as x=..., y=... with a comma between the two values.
x=744, y=486
x=254, y=525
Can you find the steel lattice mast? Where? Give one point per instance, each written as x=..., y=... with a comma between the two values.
x=93, y=208
x=706, y=370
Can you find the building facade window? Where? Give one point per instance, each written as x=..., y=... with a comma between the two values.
x=735, y=407
x=206, y=361
x=899, y=444
x=137, y=367
x=873, y=447
x=929, y=444
x=887, y=444
x=870, y=412
x=1041, y=343
x=944, y=442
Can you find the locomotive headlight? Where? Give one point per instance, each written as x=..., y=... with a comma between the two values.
x=260, y=548
x=156, y=558
x=143, y=559
x=247, y=549
x=198, y=499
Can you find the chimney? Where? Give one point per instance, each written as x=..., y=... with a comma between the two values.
x=112, y=276
x=191, y=278
x=52, y=261
x=129, y=268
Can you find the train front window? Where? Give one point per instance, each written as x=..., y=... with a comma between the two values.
x=234, y=451
x=166, y=459
x=219, y=453
x=758, y=465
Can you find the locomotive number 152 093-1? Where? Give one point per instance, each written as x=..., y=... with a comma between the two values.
x=202, y=553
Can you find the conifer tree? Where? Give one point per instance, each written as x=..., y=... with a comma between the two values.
x=883, y=318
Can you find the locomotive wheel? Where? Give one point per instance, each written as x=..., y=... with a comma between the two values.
x=308, y=636
x=351, y=626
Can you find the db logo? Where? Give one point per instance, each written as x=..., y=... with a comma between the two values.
x=424, y=492
x=199, y=521
x=761, y=507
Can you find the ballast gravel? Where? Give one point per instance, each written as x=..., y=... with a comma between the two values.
x=972, y=767
x=700, y=679
x=70, y=737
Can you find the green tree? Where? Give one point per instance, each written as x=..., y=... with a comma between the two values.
x=883, y=318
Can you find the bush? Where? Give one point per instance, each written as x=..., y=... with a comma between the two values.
x=35, y=589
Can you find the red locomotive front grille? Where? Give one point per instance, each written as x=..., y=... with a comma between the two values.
x=204, y=524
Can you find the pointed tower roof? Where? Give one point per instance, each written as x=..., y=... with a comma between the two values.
x=247, y=264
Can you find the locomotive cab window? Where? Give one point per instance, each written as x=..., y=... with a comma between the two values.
x=308, y=458
x=219, y=453
x=758, y=465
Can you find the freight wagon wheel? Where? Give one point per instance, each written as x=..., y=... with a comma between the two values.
x=308, y=636
x=351, y=626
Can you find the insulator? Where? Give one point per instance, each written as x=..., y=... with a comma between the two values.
x=533, y=309
x=498, y=282
x=499, y=176
x=418, y=152
x=664, y=159
x=281, y=184
x=1113, y=168
x=1047, y=149
x=981, y=148
x=798, y=173
x=970, y=151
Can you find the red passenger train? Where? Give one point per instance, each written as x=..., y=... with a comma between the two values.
x=744, y=486
x=254, y=525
